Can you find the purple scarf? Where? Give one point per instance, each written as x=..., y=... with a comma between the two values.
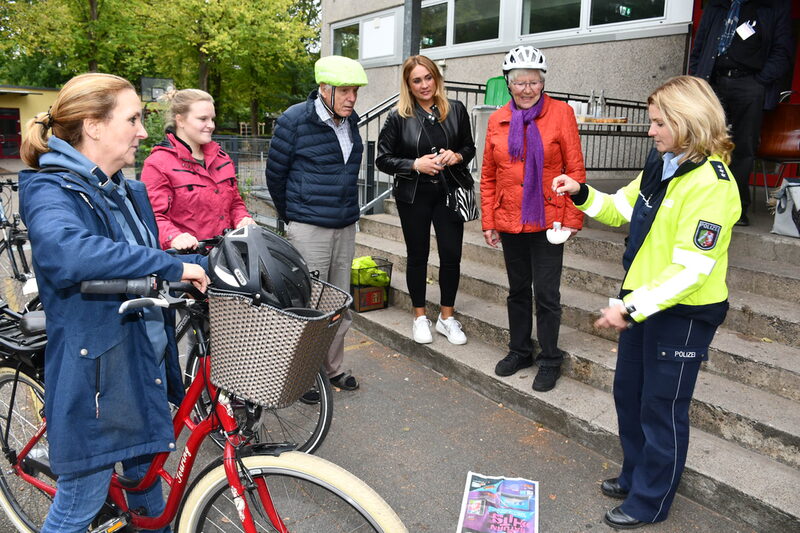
x=523, y=126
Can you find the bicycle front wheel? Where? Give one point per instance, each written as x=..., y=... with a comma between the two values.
x=21, y=405
x=310, y=494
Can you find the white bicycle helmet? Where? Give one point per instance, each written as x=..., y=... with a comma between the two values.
x=524, y=57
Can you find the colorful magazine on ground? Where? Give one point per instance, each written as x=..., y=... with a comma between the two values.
x=492, y=504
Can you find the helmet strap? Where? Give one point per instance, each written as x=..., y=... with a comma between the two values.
x=329, y=108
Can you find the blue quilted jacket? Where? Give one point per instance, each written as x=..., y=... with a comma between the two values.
x=307, y=177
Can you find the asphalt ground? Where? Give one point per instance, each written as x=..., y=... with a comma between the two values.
x=413, y=434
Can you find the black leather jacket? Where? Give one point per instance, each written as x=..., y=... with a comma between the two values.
x=398, y=147
x=775, y=20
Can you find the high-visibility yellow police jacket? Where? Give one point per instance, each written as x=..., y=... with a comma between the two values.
x=677, y=250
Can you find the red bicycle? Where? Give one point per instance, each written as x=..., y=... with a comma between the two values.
x=250, y=487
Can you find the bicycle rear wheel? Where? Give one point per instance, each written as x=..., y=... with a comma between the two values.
x=310, y=494
x=24, y=505
x=10, y=285
x=303, y=424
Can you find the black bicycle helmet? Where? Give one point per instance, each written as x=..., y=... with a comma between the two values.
x=256, y=262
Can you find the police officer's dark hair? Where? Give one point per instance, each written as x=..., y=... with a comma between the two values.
x=695, y=118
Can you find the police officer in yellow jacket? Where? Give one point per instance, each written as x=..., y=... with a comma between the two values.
x=681, y=209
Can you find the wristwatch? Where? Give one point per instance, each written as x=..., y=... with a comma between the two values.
x=629, y=310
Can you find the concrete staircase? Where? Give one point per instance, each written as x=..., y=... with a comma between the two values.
x=744, y=455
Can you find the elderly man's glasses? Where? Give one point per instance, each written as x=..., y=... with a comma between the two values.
x=526, y=84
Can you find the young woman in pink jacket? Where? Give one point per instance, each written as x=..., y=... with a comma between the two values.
x=191, y=182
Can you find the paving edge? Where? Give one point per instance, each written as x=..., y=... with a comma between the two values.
x=698, y=484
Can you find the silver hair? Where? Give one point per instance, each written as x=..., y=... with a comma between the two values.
x=512, y=74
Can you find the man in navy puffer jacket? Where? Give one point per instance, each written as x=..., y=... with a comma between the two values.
x=312, y=176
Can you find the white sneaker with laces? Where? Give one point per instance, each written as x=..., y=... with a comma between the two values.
x=451, y=328
x=421, y=330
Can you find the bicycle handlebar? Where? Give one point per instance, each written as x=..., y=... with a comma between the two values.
x=147, y=286
x=153, y=292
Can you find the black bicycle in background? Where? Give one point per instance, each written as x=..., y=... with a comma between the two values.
x=17, y=284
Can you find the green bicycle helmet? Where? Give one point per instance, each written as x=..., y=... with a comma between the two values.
x=339, y=71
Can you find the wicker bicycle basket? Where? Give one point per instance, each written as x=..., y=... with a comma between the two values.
x=266, y=355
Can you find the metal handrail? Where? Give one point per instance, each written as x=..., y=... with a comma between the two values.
x=605, y=147
x=372, y=203
x=378, y=110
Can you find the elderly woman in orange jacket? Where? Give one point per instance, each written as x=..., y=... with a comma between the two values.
x=530, y=141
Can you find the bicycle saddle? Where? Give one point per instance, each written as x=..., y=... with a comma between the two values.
x=32, y=323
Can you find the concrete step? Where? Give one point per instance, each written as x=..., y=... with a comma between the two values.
x=757, y=419
x=753, y=315
x=745, y=273
x=772, y=366
x=719, y=474
x=753, y=242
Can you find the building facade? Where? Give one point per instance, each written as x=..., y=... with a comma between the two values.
x=625, y=47
x=17, y=106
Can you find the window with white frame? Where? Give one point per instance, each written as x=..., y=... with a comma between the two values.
x=373, y=38
x=475, y=20
x=539, y=16
x=345, y=41
x=433, y=26
x=474, y=27
x=611, y=11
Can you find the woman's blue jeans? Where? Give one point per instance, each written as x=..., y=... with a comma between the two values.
x=80, y=497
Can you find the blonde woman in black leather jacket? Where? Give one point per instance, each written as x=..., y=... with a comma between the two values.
x=426, y=143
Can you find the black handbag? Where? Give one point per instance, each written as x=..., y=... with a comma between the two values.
x=461, y=201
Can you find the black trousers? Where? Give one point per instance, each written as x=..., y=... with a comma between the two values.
x=743, y=101
x=416, y=218
x=533, y=266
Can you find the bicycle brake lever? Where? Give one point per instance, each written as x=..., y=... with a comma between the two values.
x=138, y=303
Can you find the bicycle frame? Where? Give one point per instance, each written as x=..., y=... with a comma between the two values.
x=13, y=237
x=223, y=418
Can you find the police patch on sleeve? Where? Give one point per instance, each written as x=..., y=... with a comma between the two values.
x=706, y=235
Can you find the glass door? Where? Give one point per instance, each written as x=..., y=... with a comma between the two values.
x=9, y=133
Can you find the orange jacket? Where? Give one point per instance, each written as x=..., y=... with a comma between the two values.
x=501, y=179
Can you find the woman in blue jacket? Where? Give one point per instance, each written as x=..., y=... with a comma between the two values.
x=107, y=375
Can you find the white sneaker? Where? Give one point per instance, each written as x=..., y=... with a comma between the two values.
x=421, y=330
x=451, y=328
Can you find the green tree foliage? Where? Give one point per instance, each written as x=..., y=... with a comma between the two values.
x=80, y=35
x=253, y=56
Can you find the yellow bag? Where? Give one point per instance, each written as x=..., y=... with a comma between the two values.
x=365, y=271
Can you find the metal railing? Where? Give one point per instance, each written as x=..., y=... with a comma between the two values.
x=605, y=146
x=249, y=155
x=375, y=184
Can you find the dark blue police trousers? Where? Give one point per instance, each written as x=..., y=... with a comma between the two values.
x=657, y=365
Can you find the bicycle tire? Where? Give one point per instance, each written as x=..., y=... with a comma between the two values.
x=301, y=424
x=311, y=495
x=25, y=506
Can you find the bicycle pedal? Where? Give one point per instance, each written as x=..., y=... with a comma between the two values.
x=115, y=524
